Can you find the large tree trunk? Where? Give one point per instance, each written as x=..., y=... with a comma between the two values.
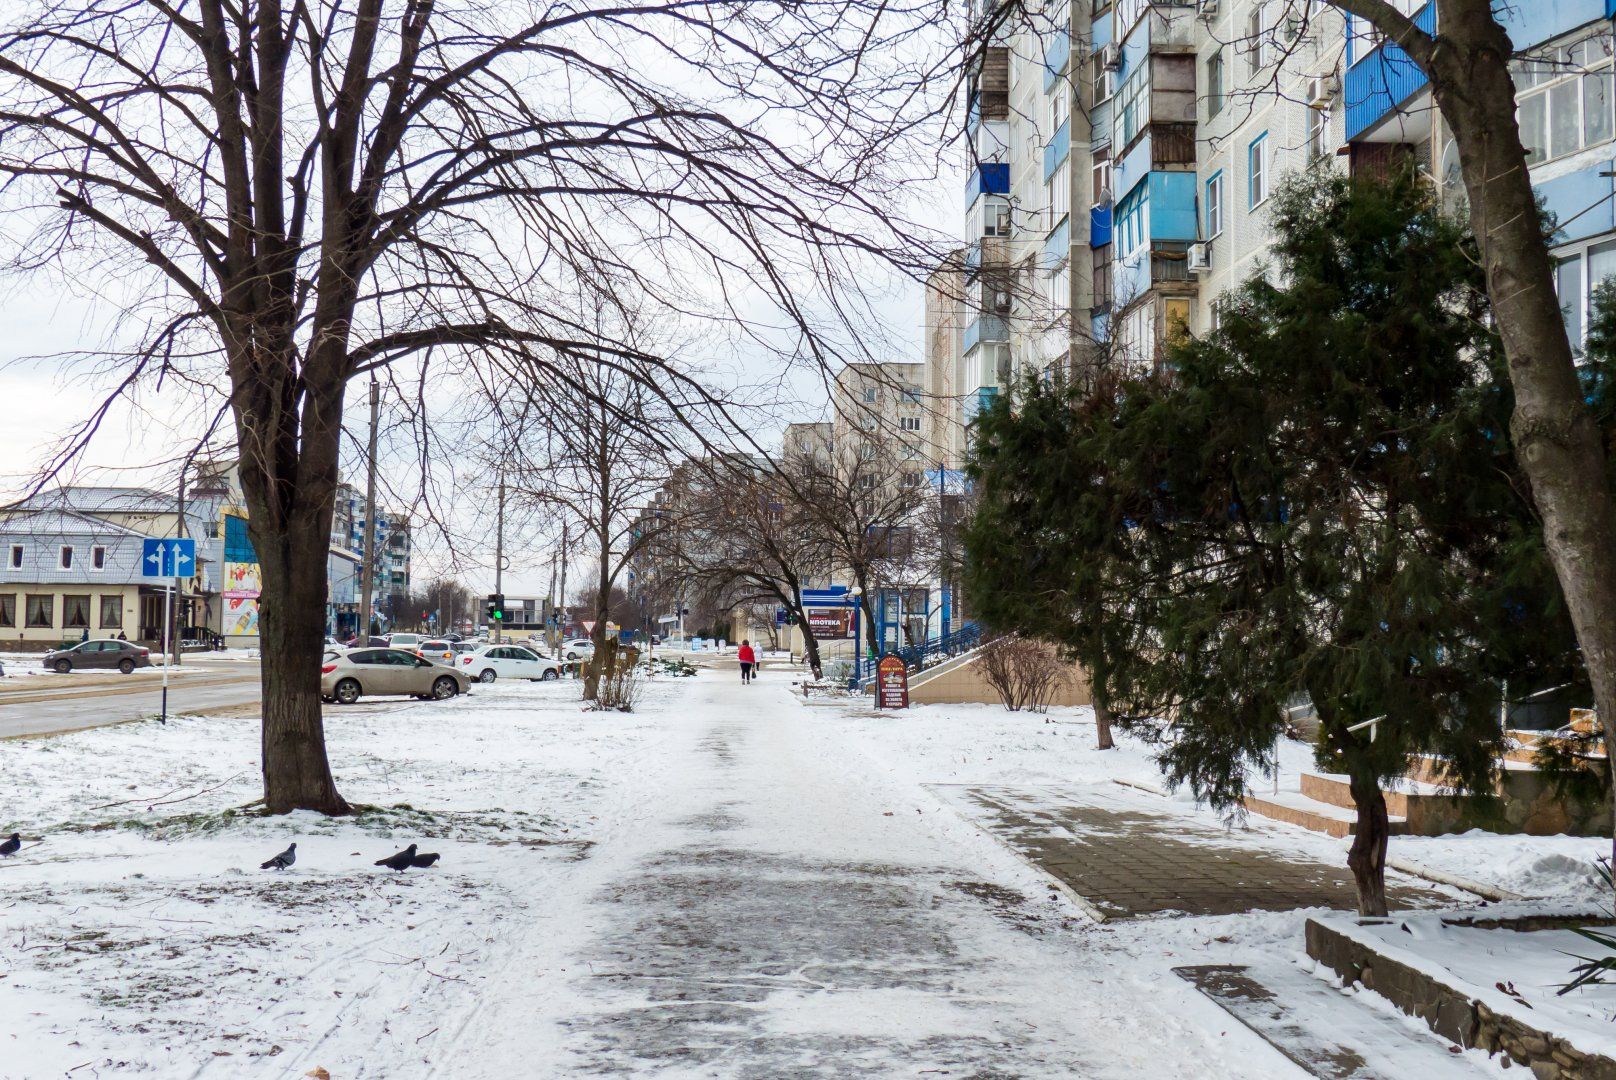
x=1555, y=437
x=1102, y=724
x=1367, y=856
x=291, y=626
x=810, y=646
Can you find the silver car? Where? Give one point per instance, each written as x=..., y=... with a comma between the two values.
x=348, y=676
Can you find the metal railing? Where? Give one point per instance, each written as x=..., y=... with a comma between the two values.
x=918, y=658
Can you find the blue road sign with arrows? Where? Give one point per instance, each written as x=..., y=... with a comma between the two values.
x=168, y=558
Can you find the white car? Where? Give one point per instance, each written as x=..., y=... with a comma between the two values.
x=578, y=649
x=489, y=662
x=403, y=641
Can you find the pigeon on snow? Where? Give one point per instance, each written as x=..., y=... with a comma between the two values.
x=12, y=846
x=426, y=858
x=283, y=860
x=400, y=861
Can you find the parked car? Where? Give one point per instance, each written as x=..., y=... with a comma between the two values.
x=489, y=662
x=439, y=652
x=99, y=654
x=403, y=641
x=578, y=649
x=346, y=677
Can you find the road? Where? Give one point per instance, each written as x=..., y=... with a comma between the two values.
x=50, y=704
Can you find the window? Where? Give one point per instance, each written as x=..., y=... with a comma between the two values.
x=111, y=612
x=98, y=558
x=1102, y=174
x=75, y=612
x=1257, y=171
x=1057, y=109
x=16, y=556
x=1568, y=286
x=1318, y=133
x=41, y=610
x=67, y=556
x=1256, y=31
x=1214, y=205
x=909, y=423
x=911, y=394
x=1132, y=105
x=8, y=609
x=911, y=479
x=871, y=395
x=1102, y=279
x=1104, y=86
x=995, y=216
x=1214, y=84
x=1564, y=97
x=1059, y=191
x=1134, y=221
x=1058, y=289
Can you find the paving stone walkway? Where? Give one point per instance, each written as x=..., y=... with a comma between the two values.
x=1128, y=854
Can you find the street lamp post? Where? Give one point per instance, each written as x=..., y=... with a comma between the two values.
x=858, y=652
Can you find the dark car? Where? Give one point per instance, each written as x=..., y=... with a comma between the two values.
x=122, y=655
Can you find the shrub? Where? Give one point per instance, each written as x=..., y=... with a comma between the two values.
x=1025, y=674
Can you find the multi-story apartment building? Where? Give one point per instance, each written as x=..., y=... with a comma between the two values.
x=1124, y=154
x=392, y=559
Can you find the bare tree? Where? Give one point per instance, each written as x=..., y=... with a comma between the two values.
x=301, y=191
x=601, y=458
x=1025, y=674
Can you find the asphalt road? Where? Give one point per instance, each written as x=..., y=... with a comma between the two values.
x=50, y=704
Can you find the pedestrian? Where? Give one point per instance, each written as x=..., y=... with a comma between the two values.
x=748, y=660
x=86, y=635
x=122, y=636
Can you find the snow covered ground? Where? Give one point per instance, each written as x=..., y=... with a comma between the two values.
x=727, y=882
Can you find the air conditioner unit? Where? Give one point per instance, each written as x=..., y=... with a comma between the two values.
x=1104, y=200
x=1200, y=258
x=1001, y=301
x=1321, y=91
x=1111, y=57
x=1206, y=8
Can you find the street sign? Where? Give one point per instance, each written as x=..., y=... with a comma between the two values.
x=167, y=558
x=836, y=596
x=779, y=616
x=892, y=683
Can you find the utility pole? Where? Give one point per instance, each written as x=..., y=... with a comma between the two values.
x=499, y=556
x=370, y=515
x=179, y=531
x=561, y=621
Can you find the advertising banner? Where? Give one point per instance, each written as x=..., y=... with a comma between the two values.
x=831, y=624
x=241, y=581
x=892, y=684
x=240, y=616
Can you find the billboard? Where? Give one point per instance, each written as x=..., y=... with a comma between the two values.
x=240, y=616
x=830, y=624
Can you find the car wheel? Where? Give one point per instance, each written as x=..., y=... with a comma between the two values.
x=572, y=656
x=550, y=673
x=488, y=675
x=63, y=666
x=126, y=665
x=347, y=691
x=445, y=688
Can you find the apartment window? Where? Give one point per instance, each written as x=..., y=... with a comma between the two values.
x=1058, y=288
x=1318, y=133
x=1214, y=205
x=871, y=395
x=911, y=395
x=1257, y=171
x=995, y=216
x=1214, y=84
x=1059, y=191
x=1102, y=174
x=41, y=610
x=8, y=609
x=1134, y=221
x=1102, y=278
x=1564, y=98
x=16, y=557
x=98, y=558
x=1255, y=44
x=111, y=612
x=1568, y=285
x=1057, y=108
x=1132, y=104
x=75, y=612
x=911, y=479
x=67, y=557
x=1101, y=76
x=909, y=423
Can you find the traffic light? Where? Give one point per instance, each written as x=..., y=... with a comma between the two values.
x=496, y=608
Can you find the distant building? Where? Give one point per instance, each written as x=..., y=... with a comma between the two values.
x=393, y=548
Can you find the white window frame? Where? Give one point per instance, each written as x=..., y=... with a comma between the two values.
x=1215, y=101
x=1058, y=192
x=1256, y=43
x=1318, y=133
x=1133, y=103
x=1585, y=252
x=909, y=423
x=1259, y=164
x=1542, y=80
x=15, y=562
x=1216, y=198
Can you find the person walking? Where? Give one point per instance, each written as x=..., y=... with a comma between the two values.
x=748, y=660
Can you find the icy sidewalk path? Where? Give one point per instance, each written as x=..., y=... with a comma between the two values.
x=776, y=907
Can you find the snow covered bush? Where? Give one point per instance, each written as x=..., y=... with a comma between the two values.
x=1025, y=674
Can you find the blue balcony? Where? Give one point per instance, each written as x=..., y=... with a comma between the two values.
x=1058, y=150
x=987, y=178
x=1099, y=226
x=984, y=328
x=981, y=400
x=1378, y=83
x=1055, y=58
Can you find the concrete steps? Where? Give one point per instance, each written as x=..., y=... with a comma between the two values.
x=1314, y=814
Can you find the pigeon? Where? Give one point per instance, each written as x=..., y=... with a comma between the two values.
x=283, y=860
x=403, y=859
x=12, y=846
x=426, y=858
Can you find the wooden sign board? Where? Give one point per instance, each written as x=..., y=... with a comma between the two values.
x=891, y=684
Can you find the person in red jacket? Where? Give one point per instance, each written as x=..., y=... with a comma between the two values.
x=748, y=660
